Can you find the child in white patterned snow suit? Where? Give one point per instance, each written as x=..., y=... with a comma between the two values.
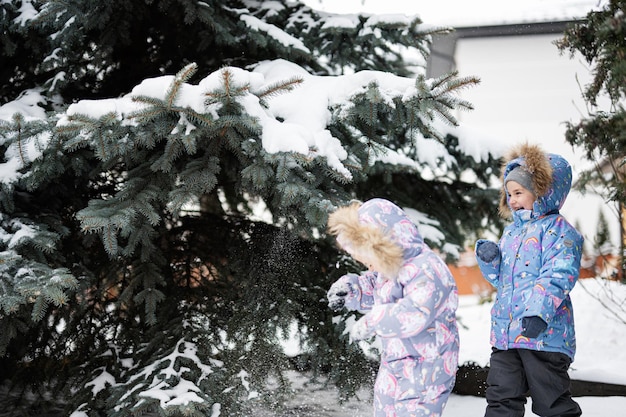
x=412, y=299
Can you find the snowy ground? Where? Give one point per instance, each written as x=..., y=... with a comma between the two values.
x=313, y=400
x=600, y=314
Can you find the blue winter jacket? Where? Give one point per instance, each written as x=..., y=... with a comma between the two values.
x=538, y=266
x=413, y=315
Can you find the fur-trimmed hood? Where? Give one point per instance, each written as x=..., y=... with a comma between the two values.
x=379, y=229
x=551, y=178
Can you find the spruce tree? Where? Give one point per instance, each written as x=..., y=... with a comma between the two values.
x=601, y=40
x=136, y=275
x=603, y=235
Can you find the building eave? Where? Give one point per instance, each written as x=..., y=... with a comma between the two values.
x=517, y=29
x=441, y=60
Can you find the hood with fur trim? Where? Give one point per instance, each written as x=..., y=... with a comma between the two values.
x=551, y=178
x=377, y=229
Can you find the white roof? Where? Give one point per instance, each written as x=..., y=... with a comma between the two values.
x=464, y=13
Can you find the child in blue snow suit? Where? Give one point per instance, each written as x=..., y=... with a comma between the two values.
x=533, y=267
x=411, y=299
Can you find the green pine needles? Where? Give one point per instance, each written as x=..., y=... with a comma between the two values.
x=167, y=168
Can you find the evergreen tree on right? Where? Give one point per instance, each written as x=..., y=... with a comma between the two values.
x=601, y=39
x=603, y=234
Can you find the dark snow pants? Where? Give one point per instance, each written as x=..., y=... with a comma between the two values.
x=514, y=373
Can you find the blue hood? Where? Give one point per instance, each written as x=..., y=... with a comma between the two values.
x=554, y=198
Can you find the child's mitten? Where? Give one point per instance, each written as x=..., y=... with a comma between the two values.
x=533, y=326
x=337, y=294
x=486, y=250
x=361, y=330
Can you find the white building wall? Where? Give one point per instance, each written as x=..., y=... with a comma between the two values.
x=527, y=91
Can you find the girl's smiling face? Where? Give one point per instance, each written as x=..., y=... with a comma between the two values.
x=519, y=197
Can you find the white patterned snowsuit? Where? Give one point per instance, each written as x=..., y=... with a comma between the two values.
x=414, y=316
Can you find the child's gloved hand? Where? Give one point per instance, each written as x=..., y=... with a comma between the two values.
x=337, y=294
x=533, y=326
x=361, y=330
x=486, y=250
